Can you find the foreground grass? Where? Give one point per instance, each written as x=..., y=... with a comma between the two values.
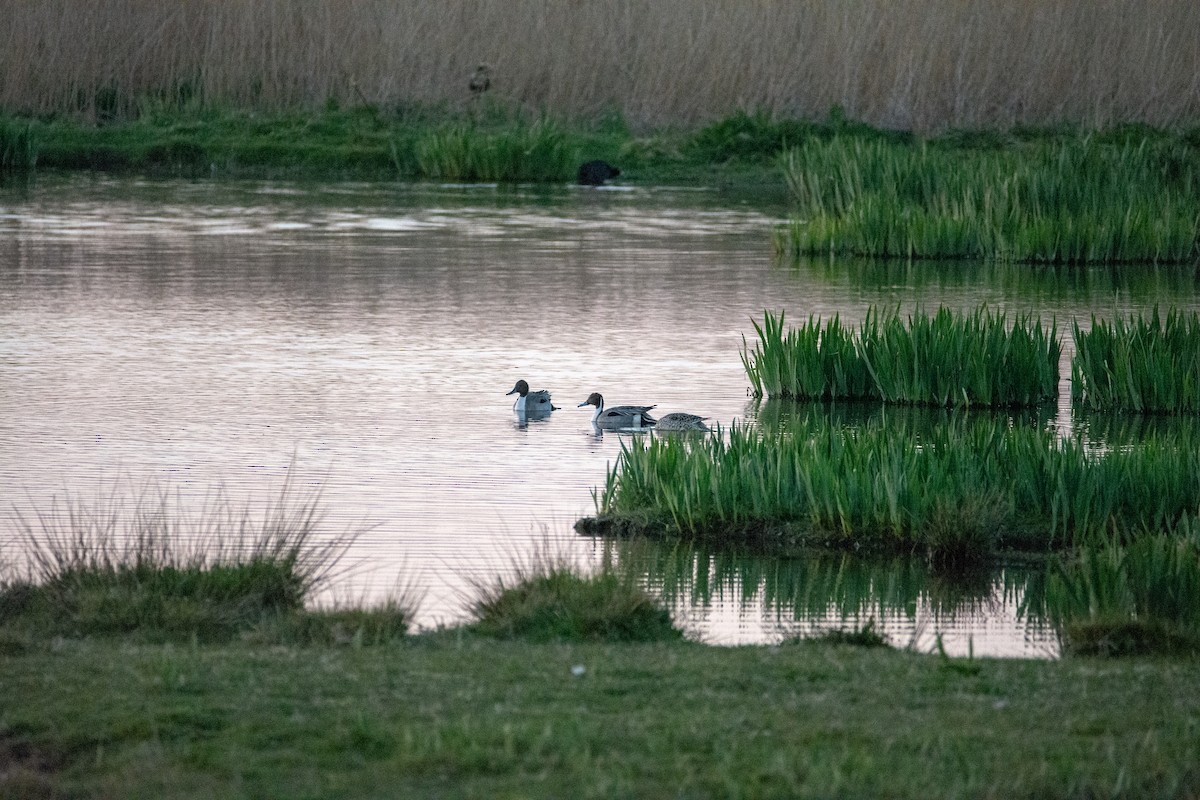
x=565, y=684
x=450, y=715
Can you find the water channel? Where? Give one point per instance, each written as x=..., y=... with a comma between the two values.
x=360, y=339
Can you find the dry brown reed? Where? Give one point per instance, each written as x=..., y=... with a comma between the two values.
x=914, y=64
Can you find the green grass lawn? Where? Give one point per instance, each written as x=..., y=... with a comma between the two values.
x=454, y=715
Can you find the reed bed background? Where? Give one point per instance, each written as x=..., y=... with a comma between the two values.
x=945, y=360
x=956, y=492
x=1143, y=364
x=1071, y=200
x=911, y=64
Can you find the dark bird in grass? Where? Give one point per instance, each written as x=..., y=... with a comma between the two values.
x=594, y=173
x=481, y=81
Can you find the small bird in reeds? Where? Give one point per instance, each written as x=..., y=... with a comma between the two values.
x=481, y=81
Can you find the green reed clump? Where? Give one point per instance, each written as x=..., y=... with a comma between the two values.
x=1073, y=200
x=552, y=600
x=154, y=570
x=956, y=492
x=18, y=144
x=529, y=153
x=1147, y=364
x=944, y=360
x=1129, y=599
x=811, y=361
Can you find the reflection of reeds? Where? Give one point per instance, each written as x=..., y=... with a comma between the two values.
x=943, y=360
x=956, y=491
x=1075, y=200
x=1137, y=597
x=1147, y=364
x=809, y=585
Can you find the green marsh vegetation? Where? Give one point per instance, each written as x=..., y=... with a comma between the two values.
x=1075, y=200
x=1148, y=363
x=956, y=493
x=943, y=360
x=534, y=153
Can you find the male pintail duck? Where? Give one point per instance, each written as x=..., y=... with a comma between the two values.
x=531, y=402
x=618, y=417
x=680, y=421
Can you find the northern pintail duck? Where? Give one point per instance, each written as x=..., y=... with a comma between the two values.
x=531, y=402
x=680, y=421
x=618, y=417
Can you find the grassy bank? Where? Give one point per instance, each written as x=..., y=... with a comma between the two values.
x=457, y=716
x=945, y=360
x=910, y=65
x=489, y=142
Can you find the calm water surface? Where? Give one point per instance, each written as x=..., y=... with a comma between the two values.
x=361, y=339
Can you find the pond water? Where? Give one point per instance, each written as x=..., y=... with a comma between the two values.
x=361, y=338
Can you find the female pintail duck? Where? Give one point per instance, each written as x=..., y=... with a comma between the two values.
x=680, y=421
x=618, y=417
x=531, y=402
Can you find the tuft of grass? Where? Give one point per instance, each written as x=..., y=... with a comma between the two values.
x=1072, y=200
x=18, y=144
x=552, y=600
x=156, y=570
x=384, y=623
x=866, y=636
x=1144, y=364
x=535, y=153
x=944, y=360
